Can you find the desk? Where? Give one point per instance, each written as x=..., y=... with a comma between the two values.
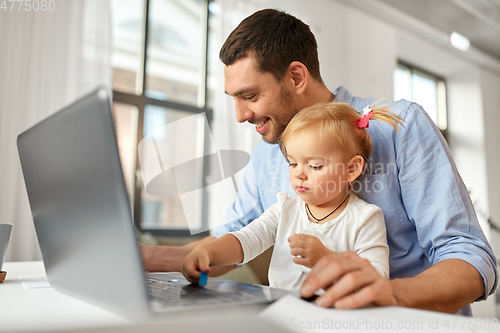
x=45, y=309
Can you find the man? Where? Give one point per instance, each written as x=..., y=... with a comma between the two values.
x=439, y=257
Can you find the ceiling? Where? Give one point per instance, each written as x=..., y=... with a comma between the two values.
x=478, y=20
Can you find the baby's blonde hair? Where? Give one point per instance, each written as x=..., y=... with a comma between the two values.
x=340, y=122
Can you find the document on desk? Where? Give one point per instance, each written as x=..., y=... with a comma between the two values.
x=297, y=315
x=34, y=281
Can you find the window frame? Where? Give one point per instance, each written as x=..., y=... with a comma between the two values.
x=141, y=100
x=441, y=93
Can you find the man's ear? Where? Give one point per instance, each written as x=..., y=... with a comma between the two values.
x=355, y=167
x=298, y=77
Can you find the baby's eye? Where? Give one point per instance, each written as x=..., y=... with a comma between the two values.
x=316, y=167
x=292, y=165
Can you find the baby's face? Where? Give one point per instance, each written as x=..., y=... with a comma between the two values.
x=318, y=169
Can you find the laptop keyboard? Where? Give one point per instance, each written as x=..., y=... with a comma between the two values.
x=177, y=295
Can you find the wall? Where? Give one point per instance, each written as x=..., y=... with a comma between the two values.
x=350, y=50
x=490, y=95
x=490, y=88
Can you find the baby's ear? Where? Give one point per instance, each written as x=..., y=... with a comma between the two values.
x=355, y=167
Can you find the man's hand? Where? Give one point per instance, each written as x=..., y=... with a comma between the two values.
x=309, y=248
x=169, y=258
x=195, y=262
x=349, y=282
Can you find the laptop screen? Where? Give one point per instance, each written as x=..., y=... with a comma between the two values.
x=80, y=206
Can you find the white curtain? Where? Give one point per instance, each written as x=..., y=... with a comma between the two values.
x=47, y=60
x=227, y=133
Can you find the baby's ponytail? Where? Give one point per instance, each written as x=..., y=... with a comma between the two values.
x=379, y=112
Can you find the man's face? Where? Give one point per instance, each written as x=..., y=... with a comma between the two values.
x=259, y=98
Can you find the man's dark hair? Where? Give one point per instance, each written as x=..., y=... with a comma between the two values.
x=276, y=39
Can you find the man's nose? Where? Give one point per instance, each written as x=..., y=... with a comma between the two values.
x=242, y=112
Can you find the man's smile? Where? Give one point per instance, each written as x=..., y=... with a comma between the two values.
x=261, y=126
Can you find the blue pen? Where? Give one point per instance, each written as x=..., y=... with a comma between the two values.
x=203, y=279
x=204, y=276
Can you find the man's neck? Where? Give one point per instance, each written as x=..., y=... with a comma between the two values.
x=317, y=92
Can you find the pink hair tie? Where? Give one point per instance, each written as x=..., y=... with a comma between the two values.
x=364, y=121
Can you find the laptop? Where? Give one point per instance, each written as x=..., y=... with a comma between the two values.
x=84, y=224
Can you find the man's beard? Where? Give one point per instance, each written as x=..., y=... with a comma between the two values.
x=286, y=111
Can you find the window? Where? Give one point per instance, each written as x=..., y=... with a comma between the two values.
x=426, y=89
x=160, y=73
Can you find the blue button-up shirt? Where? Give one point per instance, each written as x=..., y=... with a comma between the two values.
x=411, y=176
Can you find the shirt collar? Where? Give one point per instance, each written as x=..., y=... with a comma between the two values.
x=342, y=95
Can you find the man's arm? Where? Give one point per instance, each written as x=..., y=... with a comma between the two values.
x=437, y=201
x=167, y=258
x=448, y=286
x=352, y=282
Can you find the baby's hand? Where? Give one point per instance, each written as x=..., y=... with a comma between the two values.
x=196, y=261
x=306, y=249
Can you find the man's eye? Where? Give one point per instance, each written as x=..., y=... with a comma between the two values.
x=316, y=167
x=247, y=98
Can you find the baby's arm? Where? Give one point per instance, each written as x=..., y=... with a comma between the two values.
x=221, y=251
x=371, y=240
x=307, y=250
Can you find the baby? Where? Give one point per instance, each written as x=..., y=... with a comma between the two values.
x=327, y=146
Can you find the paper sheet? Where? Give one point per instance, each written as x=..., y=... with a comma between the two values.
x=34, y=281
x=297, y=315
